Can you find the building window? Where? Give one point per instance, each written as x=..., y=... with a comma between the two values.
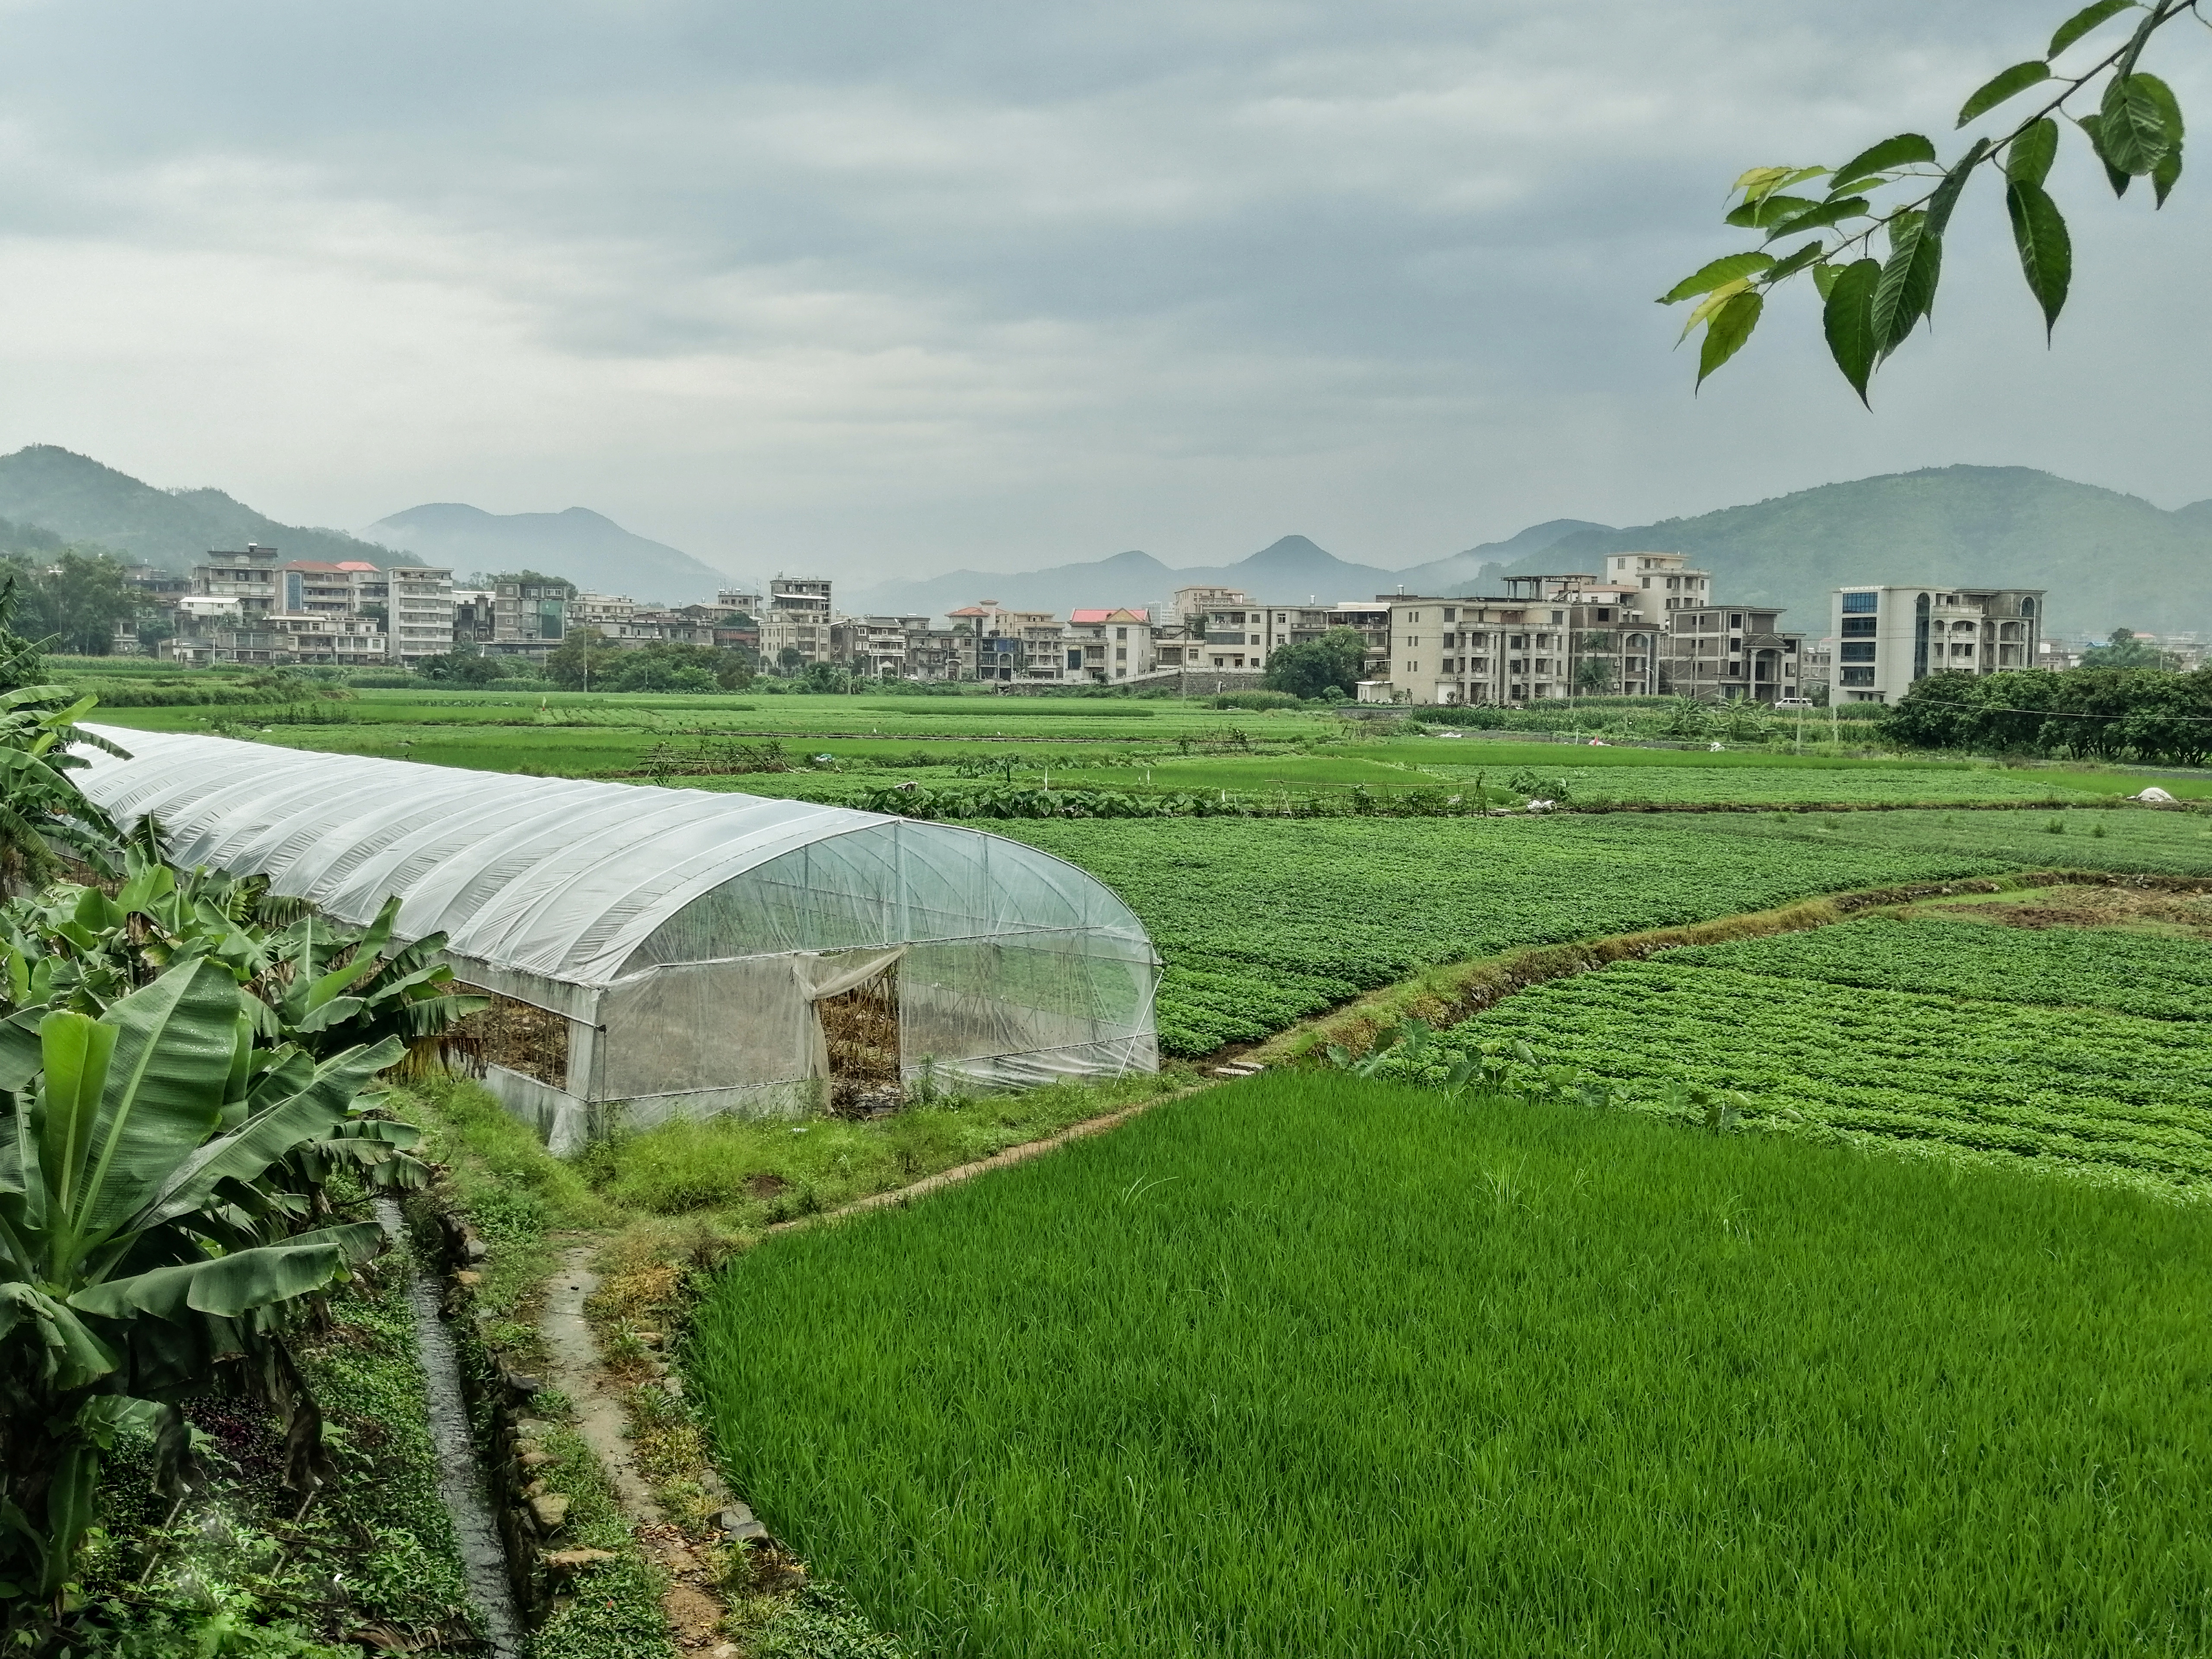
x=1856, y=651
x=1858, y=676
x=1861, y=604
x=2027, y=607
x=1920, y=639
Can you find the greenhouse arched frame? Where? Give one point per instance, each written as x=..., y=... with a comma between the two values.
x=662, y=952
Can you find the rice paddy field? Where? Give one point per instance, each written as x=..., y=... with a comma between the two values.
x=1160, y=747
x=1315, y=1365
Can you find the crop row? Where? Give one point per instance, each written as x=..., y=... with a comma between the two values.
x=1262, y=923
x=1781, y=786
x=2075, y=1085
x=2155, y=976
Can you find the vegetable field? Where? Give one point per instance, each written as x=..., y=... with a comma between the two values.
x=1262, y=923
x=1313, y=1365
x=2139, y=974
x=2083, y=1049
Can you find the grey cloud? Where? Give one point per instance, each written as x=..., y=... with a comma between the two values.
x=870, y=284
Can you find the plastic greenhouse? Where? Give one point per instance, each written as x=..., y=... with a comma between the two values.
x=658, y=952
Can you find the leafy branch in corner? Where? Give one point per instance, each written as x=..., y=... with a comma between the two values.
x=1870, y=304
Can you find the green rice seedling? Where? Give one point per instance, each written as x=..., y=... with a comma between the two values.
x=1317, y=1365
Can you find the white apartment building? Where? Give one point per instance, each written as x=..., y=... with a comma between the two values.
x=797, y=618
x=1108, y=645
x=420, y=613
x=347, y=641
x=608, y=612
x=1889, y=636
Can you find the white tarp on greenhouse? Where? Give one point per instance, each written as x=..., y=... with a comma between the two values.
x=688, y=936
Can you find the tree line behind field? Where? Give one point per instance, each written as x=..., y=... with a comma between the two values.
x=2156, y=716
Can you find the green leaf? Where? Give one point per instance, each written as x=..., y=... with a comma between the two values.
x=1847, y=317
x=175, y=1042
x=1945, y=196
x=1824, y=278
x=1711, y=303
x=1902, y=150
x=2132, y=123
x=1769, y=210
x=1907, y=287
x=2030, y=156
x=1794, y=263
x=1726, y=269
x=2085, y=19
x=75, y=1052
x=1730, y=327
x=1762, y=182
x=2167, y=174
x=270, y=1134
x=228, y=1285
x=1827, y=212
x=2004, y=84
x=2094, y=126
x=2046, y=253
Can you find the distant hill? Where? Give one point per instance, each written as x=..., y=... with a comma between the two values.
x=2109, y=560
x=79, y=500
x=1478, y=569
x=1286, y=570
x=584, y=547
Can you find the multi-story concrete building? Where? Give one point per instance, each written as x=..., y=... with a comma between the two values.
x=345, y=641
x=608, y=612
x=875, y=648
x=1891, y=636
x=530, y=619
x=798, y=619
x=419, y=615
x=248, y=576
x=1108, y=645
x=310, y=587
x=475, y=619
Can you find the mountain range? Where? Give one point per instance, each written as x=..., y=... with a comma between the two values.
x=578, y=545
x=2107, y=559
x=1290, y=569
x=79, y=500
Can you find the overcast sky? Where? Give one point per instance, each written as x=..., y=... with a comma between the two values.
x=875, y=287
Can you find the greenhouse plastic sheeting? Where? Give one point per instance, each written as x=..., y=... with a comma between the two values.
x=667, y=918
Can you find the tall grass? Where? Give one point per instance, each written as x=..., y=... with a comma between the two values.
x=1311, y=1365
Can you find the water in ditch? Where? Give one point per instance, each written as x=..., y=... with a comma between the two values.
x=460, y=1477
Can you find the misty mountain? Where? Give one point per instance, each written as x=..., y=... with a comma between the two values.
x=79, y=500
x=1285, y=571
x=2109, y=560
x=1476, y=570
x=579, y=545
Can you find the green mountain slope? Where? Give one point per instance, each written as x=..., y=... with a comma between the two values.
x=80, y=500
x=2108, y=560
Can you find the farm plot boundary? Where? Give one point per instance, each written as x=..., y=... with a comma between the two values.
x=1458, y=991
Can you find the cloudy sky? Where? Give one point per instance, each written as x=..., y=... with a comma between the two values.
x=877, y=288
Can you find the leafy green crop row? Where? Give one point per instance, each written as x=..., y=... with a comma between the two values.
x=1262, y=923
x=2149, y=975
x=1309, y=1365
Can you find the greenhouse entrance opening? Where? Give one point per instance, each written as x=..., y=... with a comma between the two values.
x=860, y=1032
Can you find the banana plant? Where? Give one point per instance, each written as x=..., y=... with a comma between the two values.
x=139, y=1249
x=40, y=809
